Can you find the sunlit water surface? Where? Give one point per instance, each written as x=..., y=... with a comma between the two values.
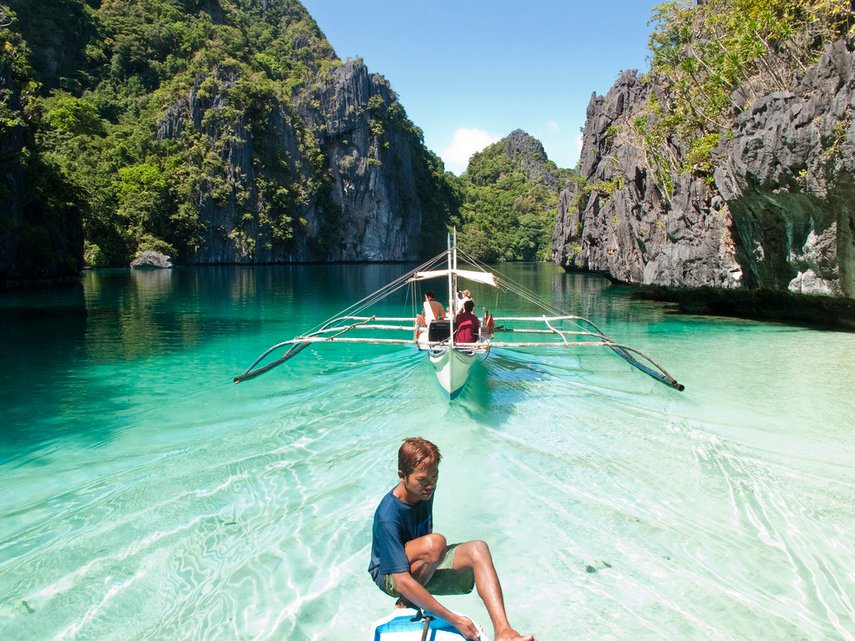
x=143, y=495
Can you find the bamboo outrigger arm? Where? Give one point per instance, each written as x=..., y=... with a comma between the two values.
x=584, y=334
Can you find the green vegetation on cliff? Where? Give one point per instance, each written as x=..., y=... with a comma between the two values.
x=510, y=200
x=40, y=235
x=96, y=119
x=143, y=109
x=715, y=57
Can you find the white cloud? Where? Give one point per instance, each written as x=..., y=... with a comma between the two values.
x=465, y=143
x=553, y=126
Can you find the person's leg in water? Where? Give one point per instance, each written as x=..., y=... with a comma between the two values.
x=476, y=555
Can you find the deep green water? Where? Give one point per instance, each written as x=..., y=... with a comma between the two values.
x=143, y=495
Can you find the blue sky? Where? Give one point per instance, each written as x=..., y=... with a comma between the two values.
x=469, y=72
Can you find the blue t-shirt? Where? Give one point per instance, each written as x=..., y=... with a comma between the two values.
x=395, y=524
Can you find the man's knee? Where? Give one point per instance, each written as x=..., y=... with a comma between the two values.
x=472, y=553
x=480, y=548
x=435, y=547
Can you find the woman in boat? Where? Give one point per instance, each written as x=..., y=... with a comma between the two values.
x=460, y=299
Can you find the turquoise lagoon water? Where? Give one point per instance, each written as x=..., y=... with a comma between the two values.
x=145, y=496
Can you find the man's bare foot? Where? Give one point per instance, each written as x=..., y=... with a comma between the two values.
x=512, y=635
x=403, y=603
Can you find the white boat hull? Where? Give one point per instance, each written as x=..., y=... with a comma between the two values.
x=452, y=366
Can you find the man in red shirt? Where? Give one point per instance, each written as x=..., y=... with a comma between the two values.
x=467, y=325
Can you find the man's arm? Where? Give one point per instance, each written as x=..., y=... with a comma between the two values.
x=416, y=593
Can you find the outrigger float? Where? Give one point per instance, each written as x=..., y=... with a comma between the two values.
x=452, y=359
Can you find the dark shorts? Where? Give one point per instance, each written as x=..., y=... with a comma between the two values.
x=445, y=580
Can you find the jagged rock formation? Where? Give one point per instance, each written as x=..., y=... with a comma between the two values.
x=787, y=177
x=373, y=161
x=151, y=260
x=778, y=215
x=620, y=222
x=360, y=201
x=527, y=152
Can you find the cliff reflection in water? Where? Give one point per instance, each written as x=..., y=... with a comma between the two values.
x=134, y=314
x=130, y=313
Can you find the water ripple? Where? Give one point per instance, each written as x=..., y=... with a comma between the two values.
x=196, y=509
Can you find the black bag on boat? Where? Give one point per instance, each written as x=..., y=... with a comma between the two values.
x=439, y=330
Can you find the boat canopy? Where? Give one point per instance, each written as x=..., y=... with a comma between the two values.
x=479, y=277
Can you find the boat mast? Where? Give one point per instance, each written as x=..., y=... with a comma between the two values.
x=452, y=265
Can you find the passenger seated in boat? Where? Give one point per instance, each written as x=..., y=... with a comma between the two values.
x=467, y=324
x=432, y=311
x=460, y=299
x=488, y=324
x=412, y=563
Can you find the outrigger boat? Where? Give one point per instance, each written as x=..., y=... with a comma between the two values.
x=452, y=359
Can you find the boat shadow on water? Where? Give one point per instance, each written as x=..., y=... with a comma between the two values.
x=496, y=387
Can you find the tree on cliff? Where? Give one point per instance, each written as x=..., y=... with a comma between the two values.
x=715, y=57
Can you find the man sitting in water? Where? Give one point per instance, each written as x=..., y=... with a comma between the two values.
x=406, y=554
x=467, y=326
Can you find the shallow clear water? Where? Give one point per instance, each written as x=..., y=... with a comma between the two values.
x=145, y=496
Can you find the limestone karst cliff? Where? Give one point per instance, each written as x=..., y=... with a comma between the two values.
x=221, y=131
x=775, y=212
x=348, y=170
x=618, y=221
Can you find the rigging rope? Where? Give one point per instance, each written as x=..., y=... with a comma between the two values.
x=380, y=294
x=623, y=351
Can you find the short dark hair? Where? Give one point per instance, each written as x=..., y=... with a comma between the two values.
x=468, y=305
x=430, y=294
x=414, y=452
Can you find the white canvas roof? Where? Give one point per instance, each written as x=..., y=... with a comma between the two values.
x=479, y=277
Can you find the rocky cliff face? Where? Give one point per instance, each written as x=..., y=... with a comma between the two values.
x=343, y=153
x=254, y=145
x=621, y=223
x=371, y=159
x=527, y=152
x=778, y=213
x=787, y=176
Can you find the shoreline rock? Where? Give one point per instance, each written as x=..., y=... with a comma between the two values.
x=824, y=312
x=151, y=260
